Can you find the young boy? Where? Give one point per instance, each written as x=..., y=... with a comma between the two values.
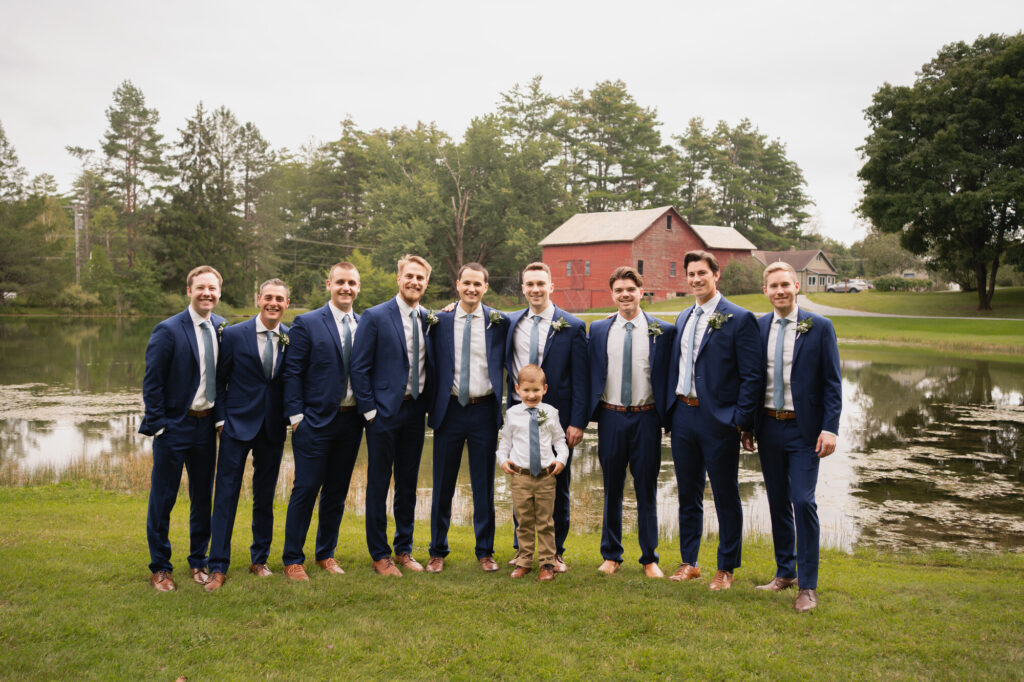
x=526, y=446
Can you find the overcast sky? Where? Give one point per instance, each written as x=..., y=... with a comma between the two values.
x=802, y=72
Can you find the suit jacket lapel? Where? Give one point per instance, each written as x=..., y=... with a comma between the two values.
x=396, y=319
x=555, y=316
x=332, y=329
x=252, y=346
x=190, y=334
x=280, y=349
x=800, y=317
x=709, y=330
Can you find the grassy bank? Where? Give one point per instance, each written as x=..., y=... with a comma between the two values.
x=1007, y=302
x=995, y=338
x=75, y=603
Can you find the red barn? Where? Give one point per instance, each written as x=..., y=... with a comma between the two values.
x=584, y=250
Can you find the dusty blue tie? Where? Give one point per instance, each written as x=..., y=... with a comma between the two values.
x=346, y=351
x=627, y=367
x=467, y=337
x=414, y=388
x=779, y=396
x=534, y=441
x=268, y=354
x=688, y=371
x=210, y=366
x=535, y=341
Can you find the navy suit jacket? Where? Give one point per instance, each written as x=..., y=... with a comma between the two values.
x=314, y=368
x=380, y=362
x=660, y=348
x=172, y=372
x=245, y=397
x=443, y=350
x=729, y=368
x=814, y=378
x=564, y=362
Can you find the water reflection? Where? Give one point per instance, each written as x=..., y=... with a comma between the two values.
x=929, y=452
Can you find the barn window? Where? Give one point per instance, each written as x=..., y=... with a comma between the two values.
x=668, y=222
x=586, y=268
x=640, y=267
x=672, y=269
x=568, y=269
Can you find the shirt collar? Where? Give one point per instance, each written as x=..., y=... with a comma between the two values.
x=546, y=314
x=638, y=322
x=460, y=313
x=197, y=319
x=710, y=305
x=260, y=327
x=339, y=314
x=404, y=307
x=792, y=317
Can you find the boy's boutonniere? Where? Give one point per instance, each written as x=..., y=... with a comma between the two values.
x=558, y=325
x=654, y=329
x=494, y=318
x=804, y=326
x=716, y=320
x=220, y=329
x=283, y=340
x=542, y=417
x=431, y=320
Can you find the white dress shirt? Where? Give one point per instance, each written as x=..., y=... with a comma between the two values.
x=479, y=379
x=641, y=388
x=788, y=343
x=199, y=402
x=684, y=341
x=514, y=438
x=407, y=323
x=349, y=398
x=521, y=338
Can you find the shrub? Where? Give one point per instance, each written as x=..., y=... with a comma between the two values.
x=894, y=283
x=742, y=276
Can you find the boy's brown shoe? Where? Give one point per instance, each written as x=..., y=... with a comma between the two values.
x=547, y=572
x=520, y=571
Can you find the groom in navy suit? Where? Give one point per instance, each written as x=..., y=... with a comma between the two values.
x=629, y=355
x=179, y=390
x=326, y=427
x=716, y=375
x=545, y=335
x=390, y=368
x=468, y=348
x=799, y=421
x=250, y=417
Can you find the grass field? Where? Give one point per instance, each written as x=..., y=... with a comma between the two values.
x=1007, y=302
x=75, y=604
x=984, y=337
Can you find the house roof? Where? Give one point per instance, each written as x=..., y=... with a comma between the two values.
x=800, y=260
x=627, y=226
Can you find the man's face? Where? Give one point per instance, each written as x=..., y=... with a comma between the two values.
x=204, y=293
x=781, y=290
x=627, y=296
x=537, y=288
x=343, y=284
x=531, y=392
x=703, y=282
x=412, y=282
x=471, y=287
x=272, y=302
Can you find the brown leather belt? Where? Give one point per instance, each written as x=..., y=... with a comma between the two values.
x=692, y=402
x=546, y=471
x=628, y=408
x=199, y=414
x=781, y=415
x=476, y=401
x=347, y=408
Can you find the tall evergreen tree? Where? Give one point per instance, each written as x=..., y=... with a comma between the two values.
x=12, y=175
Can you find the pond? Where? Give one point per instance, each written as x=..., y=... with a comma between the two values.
x=930, y=447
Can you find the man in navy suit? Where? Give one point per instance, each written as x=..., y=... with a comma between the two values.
x=468, y=348
x=629, y=356
x=250, y=417
x=179, y=390
x=390, y=367
x=716, y=375
x=799, y=422
x=326, y=427
x=543, y=334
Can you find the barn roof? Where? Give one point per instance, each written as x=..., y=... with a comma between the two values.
x=723, y=237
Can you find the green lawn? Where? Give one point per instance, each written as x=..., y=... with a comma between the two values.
x=1007, y=302
x=75, y=603
x=999, y=337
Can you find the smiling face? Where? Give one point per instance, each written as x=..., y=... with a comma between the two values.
x=272, y=302
x=781, y=290
x=204, y=293
x=471, y=287
x=343, y=283
x=627, y=296
x=531, y=391
x=703, y=280
x=412, y=282
x=537, y=288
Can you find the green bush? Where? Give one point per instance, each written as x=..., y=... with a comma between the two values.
x=74, y=298
x=894, y=283
x=742, y=276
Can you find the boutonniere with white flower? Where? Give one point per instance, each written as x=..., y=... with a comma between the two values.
x=494, y=317
x=716, y=320
x=220, y=329
x=431, y=319
x=542, y=417
x=558, y=325
x=283, y=340
x=804, y=326
x=654, y=329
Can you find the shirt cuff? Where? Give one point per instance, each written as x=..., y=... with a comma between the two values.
x=157, y=434
x=219, y=424
x=296, y=418
x=368, y=416
x=830, y=433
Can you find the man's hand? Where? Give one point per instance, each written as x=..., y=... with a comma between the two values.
x=573, y=436
x=559, y=467
x=220, y=429
x=826, y=445
x=506, y=466
x=747, y=440
x=448, y=308
x=295, y=426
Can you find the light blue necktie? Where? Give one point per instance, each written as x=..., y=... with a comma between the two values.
x=534, y=441
x=690, y=350
x=467, y=332
x=414, y=388
x=627, y=367
x=268, y=354
x=779, y=396
x=210, y=368
x=346, y=351
x=535, y=341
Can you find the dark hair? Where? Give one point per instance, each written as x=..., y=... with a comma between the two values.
x=693, y=256
x=472, y=266
x=625, y=272
x=275, y=282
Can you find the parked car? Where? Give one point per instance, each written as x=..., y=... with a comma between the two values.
x=850, y=286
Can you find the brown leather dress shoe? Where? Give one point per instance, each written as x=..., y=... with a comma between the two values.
x=386, y=566
x=488, y=564
x=685, y=572
x=805, y=601
x=331, y=566
x=215, y=582
x=162, y=582
x=721, y=581
x=652, y=570
x=547, y=572
x=435, y=565
x=260, y=570
x=520, y=571
x=407, y=562
x=608, y=566
x=560, y=565
x=199, y=576
x=295, y=572
x=777, y=584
